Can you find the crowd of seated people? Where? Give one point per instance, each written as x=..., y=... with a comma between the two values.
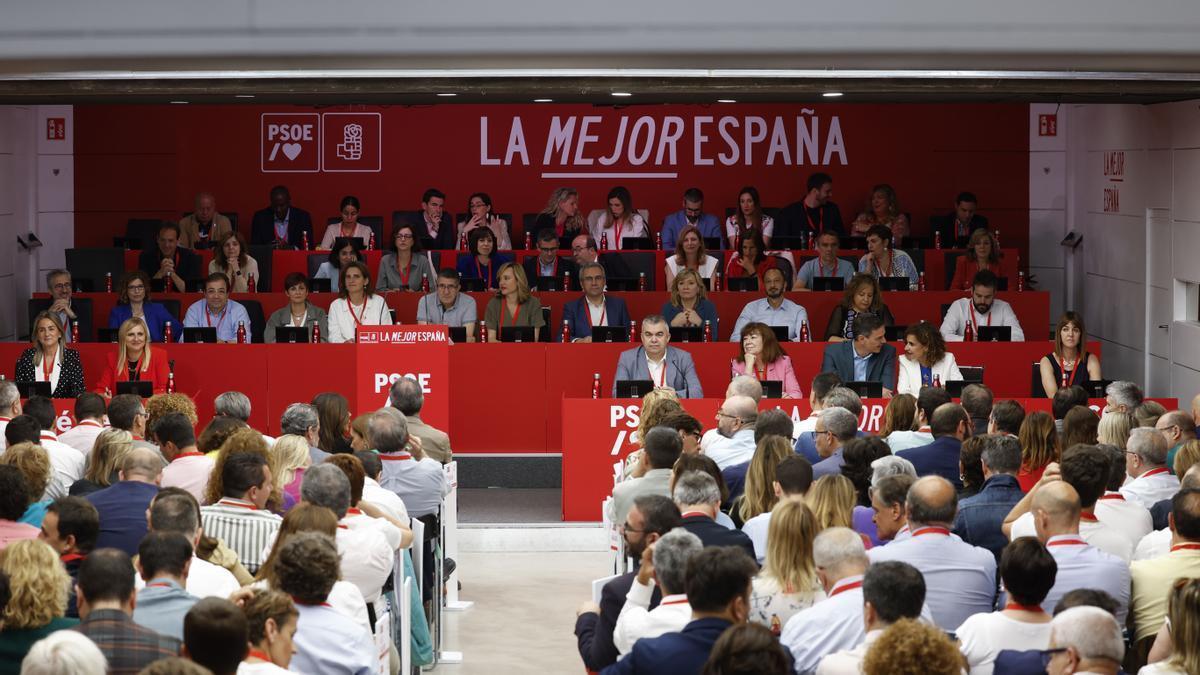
x=245, y=554
x=936, y=546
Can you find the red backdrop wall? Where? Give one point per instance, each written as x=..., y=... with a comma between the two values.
x=149, y=161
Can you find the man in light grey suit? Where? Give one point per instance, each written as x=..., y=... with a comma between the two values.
x=660, y=449
x=658, y=362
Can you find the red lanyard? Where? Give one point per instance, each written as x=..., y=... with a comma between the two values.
x=820, y=226
x=677, y=601
x=603, y=312
x=516, y=311
x=237, y=504
x=1066, y=380
x=479, y=271
x=1036, y=609
x=1070, y=541
x=404, y=273
x=1115, y=495
x=689, y=514
x=891, y=266
x=974, y=321
x=821, y=269
x=1154, y=472
x=1089, y=518
x=617, y=234
x=932, y=530
x=72, y=557
x=189, y=454
x=760, y=374
x=298, y=601
x=48, y=365
x=1185, y=547
x=842, y=589
x=208, y=317
x=158, y=584
x=254, y=653
x=362, y=316
x=398, y=457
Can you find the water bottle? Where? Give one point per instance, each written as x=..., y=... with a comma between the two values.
x=171, y=382
x=528, y=241
x=75, y=332
x=937, y=240
x=641, y=281
x=167, y=332
x=805, y=335
x=658, y=241
x=921, y=282
x=996, y=234
x=241, y=333
x=707, y=330
x=483, y=334
x=716, y=284
x=316, y=332
x=304, y=241
x=603, y=241
x=1020, y=281
x=371, y=242
x=566, y=332
x=937, y=381
x=424, y=284
x=462, y=241
x=969, y=332
x=633, y=331
x=596, y=385
x=108, y=282
x=251, y=286
x=566, y=280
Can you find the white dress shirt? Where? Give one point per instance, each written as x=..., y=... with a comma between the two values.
x=367, y=558
x=1095, y=532
x=1154, y=545
x=828, y=626
x=82, y=436
x=729, y=451
x=908, y=379
x=1127, y=517
x=66, y=466
x=1081, y=565
x=982, y=636
x=205, y=580
x=906, y=440
x=963, y=310
x=960, y=579
x=807, y=424
x=356, y=520
x=344, y=319
x=756, y=528
x=385, y=499
x=190, y=471
x=637, y=620
x=1151, y=487
x=848, y=661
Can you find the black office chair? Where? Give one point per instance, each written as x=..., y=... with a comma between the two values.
x=262, y=255
x=92, y=264
x=549, y=328
x=173, y=307
x=373, y=222
x=1036, y=390
x=141, y=233
x=258, y=320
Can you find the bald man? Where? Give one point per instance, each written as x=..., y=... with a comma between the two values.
x=1177, y=428
x=960, y=578
x=735, y=425
x=1056, y=511
x=123, y=505
x=205, y=227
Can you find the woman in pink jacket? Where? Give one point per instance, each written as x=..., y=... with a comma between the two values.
x=761, y=356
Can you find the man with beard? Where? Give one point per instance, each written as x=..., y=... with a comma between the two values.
x=692, y=214
x=773, y=310
x=981, y=309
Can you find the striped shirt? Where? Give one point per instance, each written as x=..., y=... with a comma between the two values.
x=243, y=527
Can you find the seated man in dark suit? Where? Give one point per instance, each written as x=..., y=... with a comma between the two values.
x=718, y=590
x=867, y=359
x=699, y=498
x=70, y=311
x=650, y=517
x=814, y=214
x=950, y=426
x=956, y=227
x=547, y=263
x=281, y=225
x=168, y=260
x=659, y=362
x=435, y=223
x=594, y=308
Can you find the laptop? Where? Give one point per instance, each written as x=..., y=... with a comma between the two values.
x=473, y=285
x=894, y=283
x=142, y=388
x=637, y=244
x=772, y=388
x=828, y=284
x=548, y=284
x=293, y=334
x=1096, y=388
x=200, y=334
x=316, y=285
x=781, y=333
x=994, y=334
x=787, y=243
x=458, y=334
x=712, y=243
x=28, y=389
x=742, y=283
x=955, y=387
x=610, y=333
x=894, y=333
x=634, y=388
x=516, y=334
x=865, y=389
x=687, y=334
x=621, y=284
x=107, y=335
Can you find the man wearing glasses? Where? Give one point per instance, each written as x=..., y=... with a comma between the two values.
x=70, y=311
x=547, y=265
x=446, y=306
x=1084, y=640
x=1175, y=426
x=594, y=308
x=691, y=214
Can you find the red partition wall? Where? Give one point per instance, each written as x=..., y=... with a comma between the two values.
x=149, y=161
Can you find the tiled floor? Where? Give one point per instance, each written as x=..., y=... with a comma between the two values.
x=524, y=612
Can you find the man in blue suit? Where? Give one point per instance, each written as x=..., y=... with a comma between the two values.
x=867, y=359
x=692, y=214
x=718, y=590
x=280, y=224
x=594, y=308
x=949, y=426
x=658, y=362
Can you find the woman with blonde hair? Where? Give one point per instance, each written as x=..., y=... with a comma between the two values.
x=1183, y=624
x=899, y=415
x=759, y=489
x=1039, y=447
x=33, y=462
x=882, y=209
x=513, y=304
x=49, y=360
x=291, y=453
x=104, y=462
x=1147, y=414
x=689, y=305
x=561, y=214
x=134, y=361
x=246, y=440
x=345, y=596
x=1114, y=428
x=656, y=405
x=832, y=499
x=788, y=581
x=1186, y=457
x=982, y=254
x=38, y=585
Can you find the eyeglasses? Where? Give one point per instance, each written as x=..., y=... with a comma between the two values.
x=725, y=414
x=65, y=286
x=447, y=287
x=1048, y=654
x=138, y=287
x=404, y=235
x=625, y=527
x=552, y=249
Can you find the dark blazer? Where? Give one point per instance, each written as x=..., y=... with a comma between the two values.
x=945, y=226
x=881, y=367
x=545, y=221
x=939, y=458
x=575, y=313
x=187, y=265
x=262, y=228
x=70, y=380
x=712, y=533
x=83, y=315
x=565, y=264
x=122, y=508
x=682, y=653
x=447, y=236
x=796, y=218
x=837, y=320
x=594, y=632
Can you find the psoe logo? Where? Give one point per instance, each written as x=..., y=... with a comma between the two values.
x=624, y=419
x=386, y=380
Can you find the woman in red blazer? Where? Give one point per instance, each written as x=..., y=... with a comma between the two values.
x=134, y=360
x=982, y=254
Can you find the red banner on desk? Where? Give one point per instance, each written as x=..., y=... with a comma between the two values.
x=388, y=353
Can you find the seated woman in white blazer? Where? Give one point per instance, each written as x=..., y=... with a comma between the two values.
x=357, y=305
x=925, y=360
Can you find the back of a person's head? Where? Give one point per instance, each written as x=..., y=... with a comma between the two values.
x=174, y=428
x=663, y=446
x=1185, y=513
x=175, y=512
x=1123, y=392
x=307, y=567
x=215, y=635
x=774, y=422
x=844, y=398
x=703, y=463
x=40, y=408
x=242, y=471
x=794, y=475
x=747, y=649
x=89, y=406
x=718, y=575
x=233, y=404
x=928, y=400
x=659, y=512
x=1147, y=414
x=353, y=469
x=840, y=422
x=695, y=488
x=1087, y=597
x=22, y=429
x=838, y=550
x=1092, y=632
x=1067, y=398
x=822, y=383
x=265, y=606
x=1008, y=416
x=141, y=463
x=164, y=554
x=371, y=464
x=896, y=590
x=76, y=518
x=123, y=410
x=326, y=485
x=388, y=431
x=891, y=466
x=14, y=493
x=1149, y=445
x=406, y=396
x=910, y=647
x=932, y=499
x=946, y=419
x=1116, y=465
x=1028, y=570
x=977, y=400
x=672, y=552
x=744, y=385
x=106, y=575
x=64, y=652
x=892, y=490
x=1002, y=453
x=1085, y=468
x=176, y=665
